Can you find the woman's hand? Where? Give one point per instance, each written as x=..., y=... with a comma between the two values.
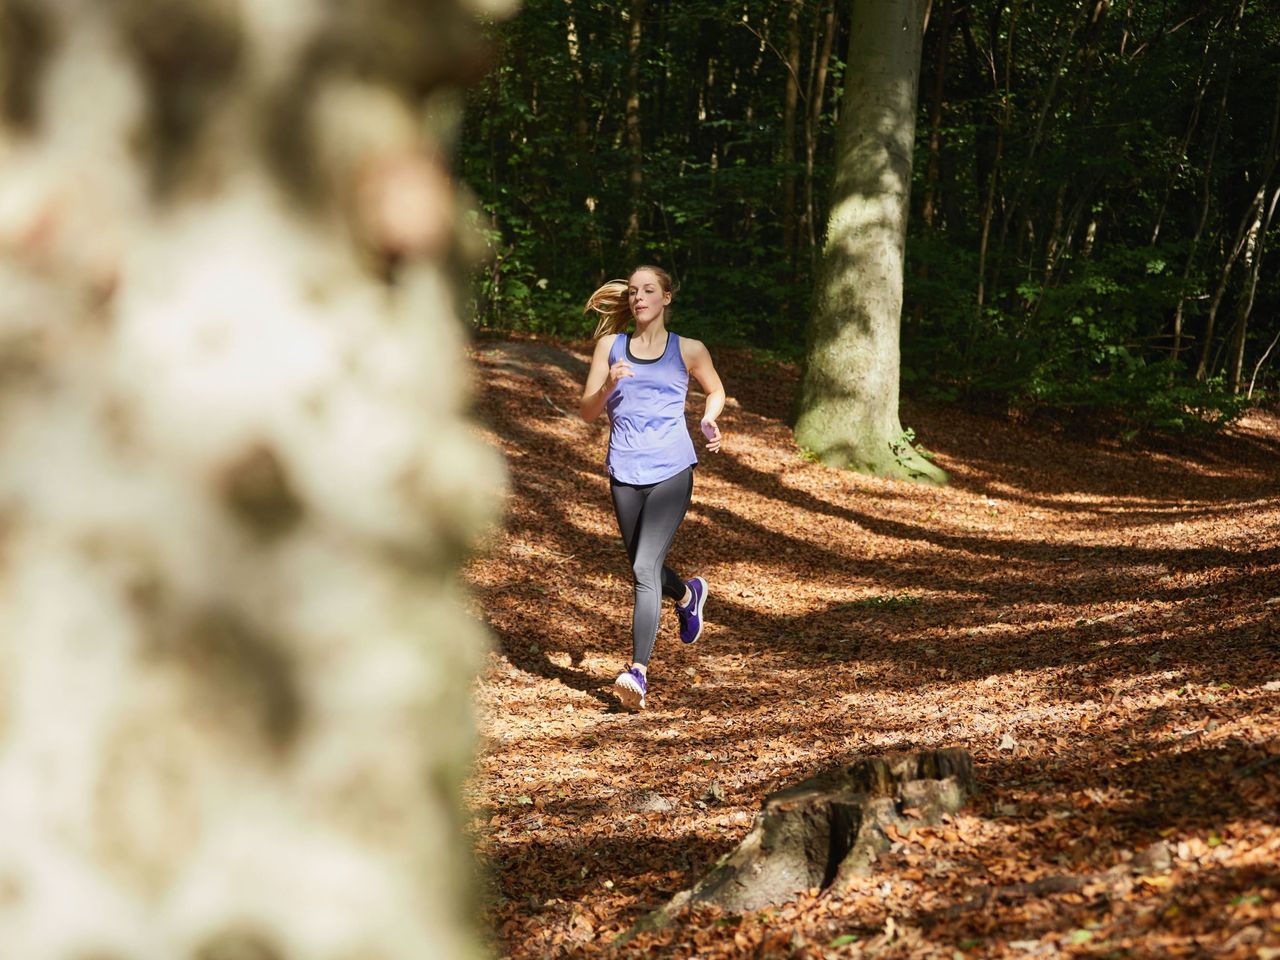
x=601, y=379
x=619, y=371
x=698, y=362
x=711, y=430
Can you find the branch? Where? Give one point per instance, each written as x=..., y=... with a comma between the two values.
x=777, y=53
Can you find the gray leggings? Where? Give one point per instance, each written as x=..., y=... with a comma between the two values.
x=648, y=517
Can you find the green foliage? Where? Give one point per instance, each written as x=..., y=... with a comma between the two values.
x=545, y=148
x=1092, y=345
x=905, y=454
x=1119, y=167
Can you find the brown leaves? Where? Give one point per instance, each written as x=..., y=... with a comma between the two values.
x=1109, y=616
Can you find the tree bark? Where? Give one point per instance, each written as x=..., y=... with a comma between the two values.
x=581, y=130
x=1203, y=79
x=848, y=404
x=235, y=483
x=933, y=172
x=828, y=830
x=1013, y=201
x=790, y=98
x=989, y=203
x=1254, y=253
x=933, y=166
x=584, y=173
x=1179, y=313
x=635, y=142
x=1257, y=367
x=1268, y=168
x=1206, y=199
x=813, y=120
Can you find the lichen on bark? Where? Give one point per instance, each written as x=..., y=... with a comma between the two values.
x=236, y=480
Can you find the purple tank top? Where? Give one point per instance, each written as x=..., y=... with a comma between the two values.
x=648, y=439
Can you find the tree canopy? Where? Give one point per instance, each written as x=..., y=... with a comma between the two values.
x=1092, y=199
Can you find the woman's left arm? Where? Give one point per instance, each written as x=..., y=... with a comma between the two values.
x=697, y=360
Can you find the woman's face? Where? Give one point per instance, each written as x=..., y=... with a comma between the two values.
x=646, y=295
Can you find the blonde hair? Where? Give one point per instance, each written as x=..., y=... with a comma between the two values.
x=613, y=304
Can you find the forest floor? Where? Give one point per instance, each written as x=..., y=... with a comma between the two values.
x=1097, y=623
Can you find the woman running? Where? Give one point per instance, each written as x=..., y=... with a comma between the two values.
x=641, y=378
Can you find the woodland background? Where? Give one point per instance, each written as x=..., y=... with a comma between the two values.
x=249, y=459
x=1089, y=608
x=1092, y=207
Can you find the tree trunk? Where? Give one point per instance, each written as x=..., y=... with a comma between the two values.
x=584, y=173
x=1242, y=235
x=1203, y=80
x=790, y=97
x=1013, y=201
x=1257, y=367
x=635, y=144
x=813, y=120
x=1254, y=252
x=1206, y=199
x=235, y=484
x=827, y=831
x=989, y=203
x=848, y=405
x=933, y=171
x=581, y=129
x=750, y=90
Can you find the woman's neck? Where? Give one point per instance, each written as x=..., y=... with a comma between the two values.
x=650, y=332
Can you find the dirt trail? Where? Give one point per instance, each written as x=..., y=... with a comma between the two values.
x=1098, y=624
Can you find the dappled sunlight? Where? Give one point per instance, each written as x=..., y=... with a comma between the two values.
x=1093, y=629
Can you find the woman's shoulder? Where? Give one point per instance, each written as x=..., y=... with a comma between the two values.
x=606, y=342
x=689, y=347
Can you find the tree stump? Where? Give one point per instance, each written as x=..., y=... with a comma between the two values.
x=826, y=830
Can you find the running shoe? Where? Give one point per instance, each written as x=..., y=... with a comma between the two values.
x=630, y=688
x=691, y=616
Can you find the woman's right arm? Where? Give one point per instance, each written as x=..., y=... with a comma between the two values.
x=601, y=379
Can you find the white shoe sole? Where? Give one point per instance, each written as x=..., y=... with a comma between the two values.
x=702, y=602
x=629, y=692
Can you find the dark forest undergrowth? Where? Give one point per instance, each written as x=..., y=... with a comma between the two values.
x=1097, y=623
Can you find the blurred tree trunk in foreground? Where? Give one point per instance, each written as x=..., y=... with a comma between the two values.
x=235, y=480
x=848, y=407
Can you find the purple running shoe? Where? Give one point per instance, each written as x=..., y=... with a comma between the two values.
x=630, y=688
x=691, y=616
